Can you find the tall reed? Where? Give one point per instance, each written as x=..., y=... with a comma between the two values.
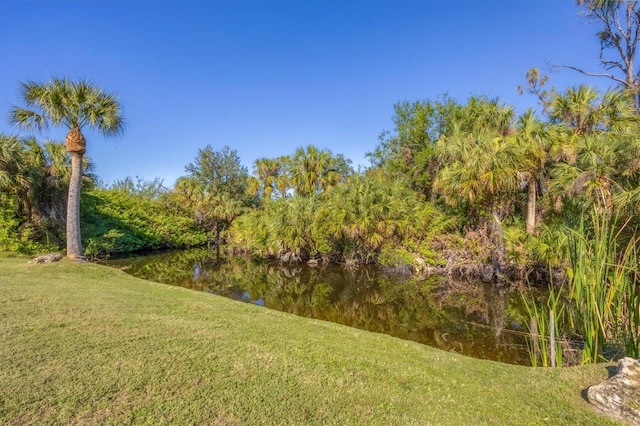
x=632, y=304
x=543, y=344
x=603, y=295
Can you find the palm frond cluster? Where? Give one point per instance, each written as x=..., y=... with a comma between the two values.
x=351, y=223
x=34, y=179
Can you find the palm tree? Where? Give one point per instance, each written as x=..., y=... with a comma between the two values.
x=72, y=105
x=593, y=172
x=533, y=137
x=13, y=166
x=50, y=174
x=314, y=170
x=480, y=164
x=579, y=109
x=267, y=171
x=362, y=214
x=289, y=227
x=596, y=130
x=36, y=176
x=307, y=168
x=576, y=108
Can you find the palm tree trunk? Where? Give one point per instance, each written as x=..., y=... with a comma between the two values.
x=74, y=241
x=531, y=206
x=498, y=254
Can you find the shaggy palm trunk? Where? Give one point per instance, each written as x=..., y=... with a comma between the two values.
x=531, y=207
x=74, y=241
x=498, y=255
x=76, y=146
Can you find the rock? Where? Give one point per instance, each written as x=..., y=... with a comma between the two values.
x=488, y=273
x=47, y=258
x=619, y=396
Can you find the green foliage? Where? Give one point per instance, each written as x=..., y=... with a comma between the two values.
x=250, y=234
x=479, y=162
x=72, y=105
x=16, y=234
x=309, y=171
x=602, y=304
x=219, y=171
x=490, y=166
x=543, y=342
x=550, y=247
x=34, y=179
x=152, y=190
x=270, y=178
x=604, y=295
x=67, y=103
x=395, y=257
x=129, y=217
x=409, y=150
x=289, y=224
x=107, y=243
x=215, y=192
x=312, y=171
x=351, y=223
x=116, y=221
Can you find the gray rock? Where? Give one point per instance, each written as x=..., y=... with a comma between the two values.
x=47, y=258
x=619, y=396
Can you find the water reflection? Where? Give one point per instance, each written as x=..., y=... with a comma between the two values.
x=474, y=319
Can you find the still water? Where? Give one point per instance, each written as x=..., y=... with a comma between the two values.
x=475, y=319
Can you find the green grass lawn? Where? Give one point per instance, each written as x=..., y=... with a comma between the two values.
x=82, y=343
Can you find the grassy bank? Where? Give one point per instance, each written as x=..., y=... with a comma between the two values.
x=86, y=344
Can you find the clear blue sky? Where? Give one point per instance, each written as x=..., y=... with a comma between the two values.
x=266, y=77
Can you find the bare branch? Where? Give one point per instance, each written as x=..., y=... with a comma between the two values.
x=611, y=64
x=613, y=36
x=616, y=18
x=591, y=74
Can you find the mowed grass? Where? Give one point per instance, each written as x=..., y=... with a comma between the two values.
x=85, y=344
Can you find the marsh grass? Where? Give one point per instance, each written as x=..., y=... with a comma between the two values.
x=601, y=308
x=604, y=296
x=86, y=344
x=544, y=344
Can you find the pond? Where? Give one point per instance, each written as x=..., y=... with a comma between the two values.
x=475, y=319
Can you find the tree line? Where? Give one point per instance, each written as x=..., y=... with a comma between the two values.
x=472, y=172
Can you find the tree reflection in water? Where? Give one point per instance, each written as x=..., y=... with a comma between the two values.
x=474, y=319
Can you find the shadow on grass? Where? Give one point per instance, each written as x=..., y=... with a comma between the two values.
x=612, y=370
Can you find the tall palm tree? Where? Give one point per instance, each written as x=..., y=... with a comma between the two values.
x=598, y=132
x=72, y=105
x=267, y=171
x=307, y=168
x=313, y=170
x=480, y=164
x=532, y=136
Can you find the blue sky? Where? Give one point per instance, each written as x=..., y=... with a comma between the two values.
x=266, y=76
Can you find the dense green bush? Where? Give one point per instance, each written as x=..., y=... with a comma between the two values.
x=16, y=233
x=116, y=221
x=351, y=223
